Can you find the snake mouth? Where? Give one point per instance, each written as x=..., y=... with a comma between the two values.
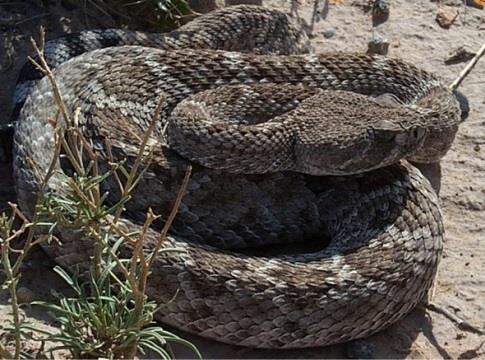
x=362, y=157
x=434, y=146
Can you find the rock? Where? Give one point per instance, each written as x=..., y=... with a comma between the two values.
x=458, y=55
x=446, y=16
x=378, y=45
x=327, y=34
x=380, y=11
x=25, y=295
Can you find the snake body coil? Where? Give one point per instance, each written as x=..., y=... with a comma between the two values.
x=384, y=225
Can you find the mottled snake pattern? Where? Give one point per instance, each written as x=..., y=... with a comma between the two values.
x=371, y=234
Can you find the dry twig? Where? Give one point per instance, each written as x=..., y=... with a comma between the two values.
x=468, y=68
x=462, y=324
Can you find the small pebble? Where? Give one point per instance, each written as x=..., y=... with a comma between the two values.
x=446, y=16
x=25, y=295
x=380, y=11
x=327, y=34
x=460, y=54
x=378, y=45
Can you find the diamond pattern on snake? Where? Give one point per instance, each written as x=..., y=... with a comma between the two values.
x=288, y=148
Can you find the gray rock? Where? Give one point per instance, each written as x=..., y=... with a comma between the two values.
x=378, y=45
x=327, y=34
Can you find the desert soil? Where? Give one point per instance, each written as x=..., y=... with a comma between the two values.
x=344, y=25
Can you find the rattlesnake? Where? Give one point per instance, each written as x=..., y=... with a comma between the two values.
x=384, y=226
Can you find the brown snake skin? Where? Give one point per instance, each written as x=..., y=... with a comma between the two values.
x=376, y=237
x=227, y=128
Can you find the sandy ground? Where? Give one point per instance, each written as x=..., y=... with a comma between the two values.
x=415, y=36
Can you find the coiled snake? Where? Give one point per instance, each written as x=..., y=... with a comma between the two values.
x=266, y=124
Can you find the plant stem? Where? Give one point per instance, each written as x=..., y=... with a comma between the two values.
x=132, y=177
x=12, y=280
x=171, y=217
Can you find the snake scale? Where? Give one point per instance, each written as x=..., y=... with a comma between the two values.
x=371, y=240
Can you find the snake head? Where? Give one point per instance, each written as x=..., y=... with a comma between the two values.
x=385, y=143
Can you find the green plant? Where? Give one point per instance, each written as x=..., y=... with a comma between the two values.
x=13, y=226
x=100, y=320
x=109, y=315
x=11, y=261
